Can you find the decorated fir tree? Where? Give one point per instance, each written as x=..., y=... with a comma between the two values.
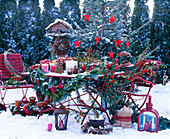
x=105, y=32
x=59, y=67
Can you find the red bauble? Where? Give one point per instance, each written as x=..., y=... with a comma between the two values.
x=116, y=60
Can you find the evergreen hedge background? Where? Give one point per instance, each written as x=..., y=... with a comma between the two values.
x=22, y=27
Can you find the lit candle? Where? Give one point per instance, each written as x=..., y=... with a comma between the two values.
x=52, y=67
x=149, y=126
x=83, y=67
x=61, y=125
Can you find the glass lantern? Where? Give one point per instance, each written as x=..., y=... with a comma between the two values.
x=148, y=118
x=61, y=118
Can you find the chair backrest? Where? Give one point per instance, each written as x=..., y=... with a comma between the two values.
x=151, y=73
x=15, y=61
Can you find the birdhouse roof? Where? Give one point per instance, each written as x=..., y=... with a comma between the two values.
x=60, y=21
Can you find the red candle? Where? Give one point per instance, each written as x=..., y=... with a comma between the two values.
x=49, y=127
x=61, y=125
x=52, y=68
x=83, y=68
x=146, y=127
x=149, y=126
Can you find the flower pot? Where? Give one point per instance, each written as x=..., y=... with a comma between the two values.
x=32, y=100
x=40, y=97
x=40, y=104
x=26, y=105
x=18, y=102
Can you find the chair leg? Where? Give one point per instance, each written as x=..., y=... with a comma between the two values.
x=2, y=103
x=2, y=107
x=24, y=93
x=24, y=99
x=3, y=96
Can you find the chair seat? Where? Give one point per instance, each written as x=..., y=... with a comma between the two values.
x=20, y=86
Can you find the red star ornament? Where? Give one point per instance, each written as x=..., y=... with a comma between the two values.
x=97, y=39
x=77, y=43
x=118, y=42
x=127, y=44
x=112, y=19
x=111, y=54
x=86, y=17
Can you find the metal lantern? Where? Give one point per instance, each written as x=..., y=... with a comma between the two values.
x=61, y=118
x=148, y=118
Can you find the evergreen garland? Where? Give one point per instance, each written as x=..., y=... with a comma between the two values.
x=164, y=123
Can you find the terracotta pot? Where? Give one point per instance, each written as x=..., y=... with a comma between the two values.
x=26, y=105
x=40, y=104
x=32, y=100
x=18, y=102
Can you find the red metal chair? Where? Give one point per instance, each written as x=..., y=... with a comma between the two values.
x=11, y=65
x=146, y=80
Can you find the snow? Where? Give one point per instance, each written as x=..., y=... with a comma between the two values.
x=60, y=21
x=29, y=127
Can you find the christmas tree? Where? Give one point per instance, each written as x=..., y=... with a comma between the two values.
x=105, y=32
x=59, y=67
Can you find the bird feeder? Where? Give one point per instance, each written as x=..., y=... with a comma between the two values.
x=61, y=118
x=148, y=118
x=60, y=29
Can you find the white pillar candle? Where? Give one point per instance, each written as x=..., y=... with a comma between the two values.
x=143, y=118
x=70, y=64
x=153, y=124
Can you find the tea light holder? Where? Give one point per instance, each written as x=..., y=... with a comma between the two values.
x=45, y=68
x=70, y=64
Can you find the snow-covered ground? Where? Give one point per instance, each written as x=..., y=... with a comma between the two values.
x=19, y=127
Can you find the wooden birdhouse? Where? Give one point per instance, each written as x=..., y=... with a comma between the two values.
x=60, y=30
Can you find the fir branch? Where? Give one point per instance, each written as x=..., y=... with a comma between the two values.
x=136, y=31
x=152, y=52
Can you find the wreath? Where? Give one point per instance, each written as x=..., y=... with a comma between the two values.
x=61, y=46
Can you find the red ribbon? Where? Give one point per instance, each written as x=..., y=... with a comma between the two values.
x=122, y=119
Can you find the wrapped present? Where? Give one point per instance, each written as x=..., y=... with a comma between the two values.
x=123, y=117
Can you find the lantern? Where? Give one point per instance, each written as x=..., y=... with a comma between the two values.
x=148, y=118
x=61, y=118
